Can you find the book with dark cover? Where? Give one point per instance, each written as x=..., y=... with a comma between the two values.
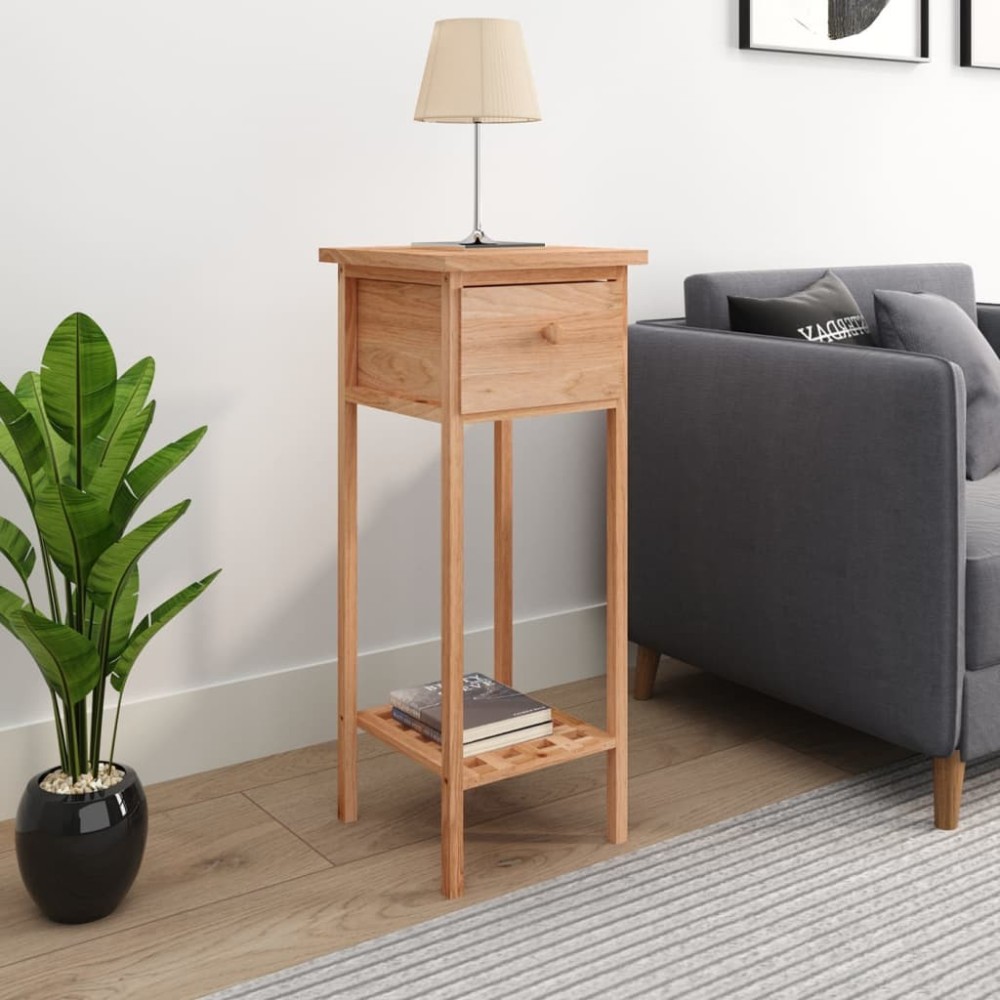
x=489, y=707
x=472, y=747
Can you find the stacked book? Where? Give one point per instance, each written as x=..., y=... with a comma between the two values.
x=494, y=715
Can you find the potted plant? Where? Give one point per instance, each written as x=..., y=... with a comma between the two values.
x=70, y=435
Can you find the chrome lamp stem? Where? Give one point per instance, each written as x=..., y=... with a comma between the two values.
x=478, y=238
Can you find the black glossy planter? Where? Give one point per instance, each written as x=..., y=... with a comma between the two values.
x=80, y=854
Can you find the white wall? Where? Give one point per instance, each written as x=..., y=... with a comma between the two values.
x=172, y=168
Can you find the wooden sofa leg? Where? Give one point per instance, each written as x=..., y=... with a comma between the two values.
x=949, y=774
x=646, y=662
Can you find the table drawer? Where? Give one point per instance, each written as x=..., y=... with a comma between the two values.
x=542, y=345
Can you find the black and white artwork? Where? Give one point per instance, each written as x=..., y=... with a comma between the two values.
x=867, y=29
x=981, y=33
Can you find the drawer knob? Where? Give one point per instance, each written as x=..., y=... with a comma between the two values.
x=550, y=333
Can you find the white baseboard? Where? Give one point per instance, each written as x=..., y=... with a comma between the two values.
x=191, y=731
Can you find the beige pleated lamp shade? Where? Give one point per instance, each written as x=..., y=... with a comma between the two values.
x=477, y=71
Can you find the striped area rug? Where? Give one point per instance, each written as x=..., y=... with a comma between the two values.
x=845, y=892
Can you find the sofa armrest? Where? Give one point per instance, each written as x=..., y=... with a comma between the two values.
x=797, y=523
x=988, y=317
x=667, y=321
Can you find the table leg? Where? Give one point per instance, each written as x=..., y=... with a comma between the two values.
x=617, y=651
x=452, y=792
x=503, y=560
x=452, y=612
x=347, y=563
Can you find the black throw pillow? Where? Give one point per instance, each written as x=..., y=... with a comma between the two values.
x=823, y=313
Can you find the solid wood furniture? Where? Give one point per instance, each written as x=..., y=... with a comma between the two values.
x=457, y=335
x=949, y=777
x=646, y=662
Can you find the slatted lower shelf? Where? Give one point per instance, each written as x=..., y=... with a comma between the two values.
x=571, y=739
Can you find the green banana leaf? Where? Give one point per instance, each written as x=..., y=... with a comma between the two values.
x=152, y=624
x=79, y=376
x=68, y=660
x=114, y=564
x=57, y=465
x=17, y=547
x=123, y=616
x=75, y=529
x=21, y=446
x=107, y=458
x=11, y=457
x=147, y=475
x=9, y=603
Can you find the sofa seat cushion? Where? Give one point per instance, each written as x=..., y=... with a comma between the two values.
x=982, y=572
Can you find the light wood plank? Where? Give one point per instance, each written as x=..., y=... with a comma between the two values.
x=848, y=749
x=949, y=776
x=617, y=616
x=572, y=695
x=347, y=319
x=538, y=276
x=542, y=345
x=533, y=276
x=695, y=694
x=407, y=275
x=195, y=856
x=186, y=955
x=252, y=774
x=395, y=403
x=570, y=739
x=452, y=596
x=696, y=716
x=647, y=660
x=347, y=556
x=549, y=410
x=503, y=552
x=458, y=260
x=307, y=761
x=399, y=339
x=6, y=836
x=401, y=800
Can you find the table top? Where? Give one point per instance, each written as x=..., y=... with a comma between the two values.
x=458, y=258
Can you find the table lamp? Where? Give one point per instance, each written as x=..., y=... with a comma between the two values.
x=477, y=72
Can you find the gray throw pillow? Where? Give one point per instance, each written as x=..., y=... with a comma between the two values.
x=931, y=324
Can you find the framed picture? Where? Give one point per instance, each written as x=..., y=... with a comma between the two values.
x=864, y=29
x=981, y=33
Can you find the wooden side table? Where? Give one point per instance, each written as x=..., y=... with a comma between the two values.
x=456, y=335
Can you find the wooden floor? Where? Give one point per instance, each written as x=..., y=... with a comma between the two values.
x=247, y=869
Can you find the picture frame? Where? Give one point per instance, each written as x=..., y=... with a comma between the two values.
x=892, y=30
x=980, y=34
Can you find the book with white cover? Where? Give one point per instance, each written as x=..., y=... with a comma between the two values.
x=471, y=748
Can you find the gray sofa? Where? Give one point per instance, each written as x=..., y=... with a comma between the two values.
x=800, y=520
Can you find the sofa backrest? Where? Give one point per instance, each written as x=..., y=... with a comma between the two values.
x=707, y=305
